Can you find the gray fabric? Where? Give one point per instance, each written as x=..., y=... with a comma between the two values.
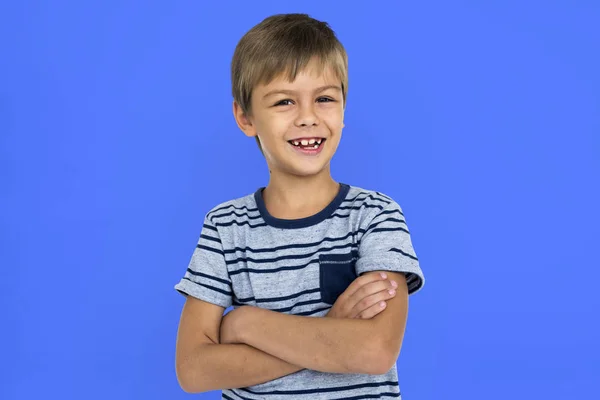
x=246, y=257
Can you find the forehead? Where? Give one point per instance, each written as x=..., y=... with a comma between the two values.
x=312, y=75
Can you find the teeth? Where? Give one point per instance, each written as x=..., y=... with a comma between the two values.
x=304, y=142
x=319, y=141
x=296, y=143
x=311, y=141
x=316, y=146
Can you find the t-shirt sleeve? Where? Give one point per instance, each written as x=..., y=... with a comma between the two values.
x=206, y=277
x=386, y=245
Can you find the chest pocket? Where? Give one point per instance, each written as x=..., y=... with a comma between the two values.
x=336, y=273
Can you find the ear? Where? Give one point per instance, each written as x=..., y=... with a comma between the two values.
x=243, y=121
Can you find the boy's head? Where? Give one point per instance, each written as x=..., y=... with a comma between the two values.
x=289, y=79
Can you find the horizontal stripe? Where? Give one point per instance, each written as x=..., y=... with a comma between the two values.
x=229, y=398
x=327, y=390
x=390, y=230
x=289, y=257
x=370, y=396
x=232, y=206
x=210, y=238
x=403, y=253
x=230, y=213
x=384, y=196
x=273, y=299
x=227, y=293
x=361, y=207
x=270, y=271
x=212, y=228
x=249, y=217
x=368, y=196
x=259, y=225
x=373, y=226
x=211, y=249
x=214, y=278
x=239, y=395
x=287, y=246
x=238, y=223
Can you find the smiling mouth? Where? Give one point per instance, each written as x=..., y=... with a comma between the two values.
x=307, y=144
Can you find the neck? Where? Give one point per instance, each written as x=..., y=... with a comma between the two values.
x=294, y=197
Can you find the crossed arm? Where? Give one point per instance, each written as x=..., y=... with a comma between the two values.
x=251, y=345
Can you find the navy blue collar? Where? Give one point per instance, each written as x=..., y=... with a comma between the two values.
x=301, y=222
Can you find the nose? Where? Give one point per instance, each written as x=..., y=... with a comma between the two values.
x=307, y=117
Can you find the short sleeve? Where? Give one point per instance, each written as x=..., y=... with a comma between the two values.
x=386, y=245
x=206, y=277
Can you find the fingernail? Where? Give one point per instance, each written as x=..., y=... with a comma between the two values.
x=392, y=292
x=394, y=284
x=382, y=304
x=383, y=275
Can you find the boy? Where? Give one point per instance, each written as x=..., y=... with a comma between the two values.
x=318, y=272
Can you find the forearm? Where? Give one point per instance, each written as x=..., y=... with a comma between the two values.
x=323, y=344
x=228, y=366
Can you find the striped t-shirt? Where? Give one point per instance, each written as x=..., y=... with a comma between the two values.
x=245, y=256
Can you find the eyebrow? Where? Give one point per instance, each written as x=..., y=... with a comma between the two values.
x=318, y=90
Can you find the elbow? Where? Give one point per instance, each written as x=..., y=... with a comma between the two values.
x=379, y=359
x=188, y=381
x=184, y=380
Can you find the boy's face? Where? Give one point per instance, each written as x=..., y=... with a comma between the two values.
x=299, y=123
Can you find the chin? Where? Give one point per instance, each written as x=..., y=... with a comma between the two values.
x=307, y=171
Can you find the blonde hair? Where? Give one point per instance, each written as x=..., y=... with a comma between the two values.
x=284, y=44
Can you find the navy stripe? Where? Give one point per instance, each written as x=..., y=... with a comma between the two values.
x=239, y=395
x=326, y=390
x=273, y=299
x=370, y=396
x=212, y=228
x=212, y=250
x=288, y=246
x=230, y=223
x=389, y=230
x=210, y=238
x=238, y=223
x=369, y=196
x=209, y=287
x=269, y=271
x=361, y=207
x=289, y=257
x=253, y=217
x=238, y=215
x=403, y=253
x=226, y=282
x=385, y=220
x=394, y=211
x=384, y=196
x=232, y=206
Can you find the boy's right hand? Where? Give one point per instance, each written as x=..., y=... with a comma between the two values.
x=365, y=297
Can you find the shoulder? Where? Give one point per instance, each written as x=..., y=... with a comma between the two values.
x=372, y=205
x=232, y=209
x=377, y=201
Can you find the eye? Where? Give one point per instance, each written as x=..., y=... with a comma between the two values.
x=285, y=102
x=325, y=99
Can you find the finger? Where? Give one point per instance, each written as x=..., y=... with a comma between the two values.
x=363, y=280
x=372, y=311
x=367, y=303
x=370, y=289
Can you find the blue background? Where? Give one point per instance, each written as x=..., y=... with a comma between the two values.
x=481, y=118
